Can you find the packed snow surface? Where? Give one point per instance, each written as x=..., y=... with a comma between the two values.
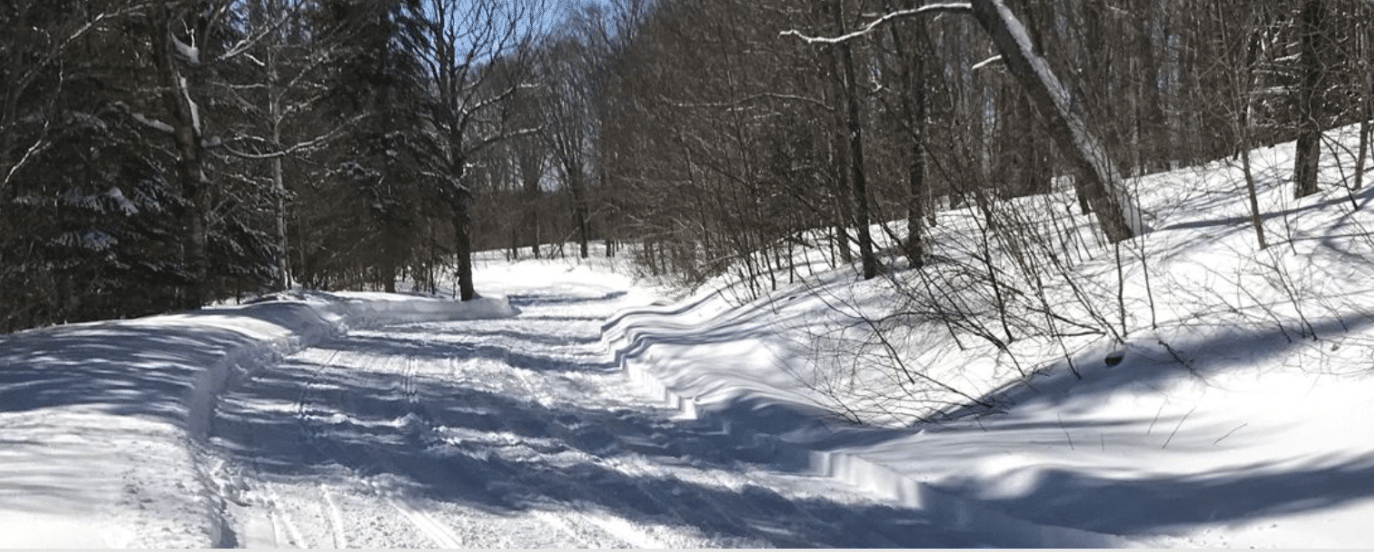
x=577, y=407
x=375, y=420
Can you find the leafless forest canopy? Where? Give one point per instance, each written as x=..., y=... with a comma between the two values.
x=157, y=155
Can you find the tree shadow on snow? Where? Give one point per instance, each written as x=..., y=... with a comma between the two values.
x=1149, y=504
x=144, y=367
x=1164, y=504
x=471, y=443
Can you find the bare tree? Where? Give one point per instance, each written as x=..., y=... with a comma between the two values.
x=1117, y=212
x=569, y=69
x=478, y=57
x=848, y=87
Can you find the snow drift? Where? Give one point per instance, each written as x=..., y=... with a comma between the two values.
x=82, y=403
x=1225, y=405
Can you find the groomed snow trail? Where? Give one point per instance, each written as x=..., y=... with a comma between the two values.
x=509, y=433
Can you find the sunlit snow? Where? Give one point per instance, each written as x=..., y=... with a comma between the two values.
x=575, y=406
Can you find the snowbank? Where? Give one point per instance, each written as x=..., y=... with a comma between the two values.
x=103, y=420
x=1238, y=416
x=736, y=382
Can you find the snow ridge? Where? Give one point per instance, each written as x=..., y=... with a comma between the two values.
x=798, y=434
x=80, y=400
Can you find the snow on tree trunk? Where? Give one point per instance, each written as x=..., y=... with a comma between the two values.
x=186, y=132
x=1116, y=210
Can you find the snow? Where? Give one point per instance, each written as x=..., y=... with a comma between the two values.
x=97, y=416
x=190, y=54
x=578, y=406
x=1225, y=424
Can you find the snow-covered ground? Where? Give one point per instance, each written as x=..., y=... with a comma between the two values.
x=576, y=407
x=1241, y=413
x=375, y=420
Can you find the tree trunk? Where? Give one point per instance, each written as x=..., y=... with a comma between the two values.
x=462, y=245
x=460, y=203
x=1152, y=122
x=579, y=197
x=278, y=181
x=1256, y=219
x=1309, y=110
x=849, y=89
x=190, y=168
x=1117, y=212
x=530, y=175
x=1366, y=52
x=913, y=59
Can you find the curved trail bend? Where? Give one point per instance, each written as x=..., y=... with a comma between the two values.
x=509, y=433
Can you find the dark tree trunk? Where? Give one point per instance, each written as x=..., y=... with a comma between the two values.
x=177, y=89
x=460, y=203
x=849, y=90
x=1366, y=51
x=462, y=245
x=530, y=222
x=579, y=198
x=1309, y=108
x=912, y=50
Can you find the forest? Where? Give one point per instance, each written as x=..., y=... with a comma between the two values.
x=165, y=155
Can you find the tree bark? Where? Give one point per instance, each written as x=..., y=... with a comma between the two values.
x=578, y=187
x=1366, y=51
x=276, y=116
x=849, y=90
x=460, y=205
x=1309, y=110
x=177, y=88
x=914, y=102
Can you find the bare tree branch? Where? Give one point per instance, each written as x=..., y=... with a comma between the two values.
x=952, y=7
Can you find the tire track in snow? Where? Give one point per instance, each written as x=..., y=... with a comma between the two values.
x=684, y=507
x=283, y=521
x=335, y=517
x=424, y=522
x=432, y=528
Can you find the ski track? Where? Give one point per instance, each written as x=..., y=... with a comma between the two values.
x=512, y=433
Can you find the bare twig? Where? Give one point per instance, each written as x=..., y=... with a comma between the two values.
x=1177, y=427
x=955, y=7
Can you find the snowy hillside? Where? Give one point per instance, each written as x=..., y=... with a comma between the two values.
x=1213, y=394
x=1239, y=415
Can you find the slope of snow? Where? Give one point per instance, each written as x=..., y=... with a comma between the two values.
x=589, y=410
x=1239, y=416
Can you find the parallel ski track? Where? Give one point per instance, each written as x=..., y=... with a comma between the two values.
x=314, y=400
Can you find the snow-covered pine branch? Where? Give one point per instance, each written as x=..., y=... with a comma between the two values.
x=957, y=7
x=37, y=148
x=144, y=120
